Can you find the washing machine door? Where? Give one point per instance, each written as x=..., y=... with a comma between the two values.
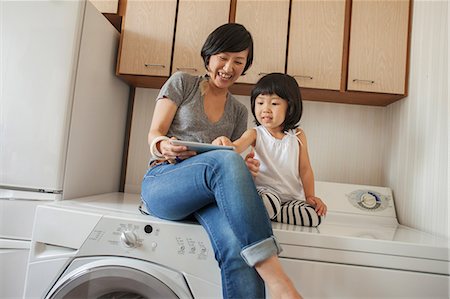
x=118, y=278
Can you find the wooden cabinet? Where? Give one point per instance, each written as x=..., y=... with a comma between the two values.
x=267, y=21
x=346, y=51
x=192, y=30
x=106, y=6
x=378, y=46
x=316, y=42
x=147, y=37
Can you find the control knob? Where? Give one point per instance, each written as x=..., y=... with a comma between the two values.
x=129, y=239
x=369, y=201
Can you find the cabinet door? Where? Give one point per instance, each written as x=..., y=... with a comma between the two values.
x=195, y=21
x=316, y=40
x=147, y=36
x=378, y=46
x=267, y=21
x=106, y=6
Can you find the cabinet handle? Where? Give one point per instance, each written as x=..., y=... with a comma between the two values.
x=157, y=65
x=363, y=81
x=262, y=74
x=303, y=77
x=187, y=69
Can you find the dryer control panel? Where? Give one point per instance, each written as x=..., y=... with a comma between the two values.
x=362, y=200
x=176, y=244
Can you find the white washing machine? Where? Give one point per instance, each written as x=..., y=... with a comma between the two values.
x=103, y=245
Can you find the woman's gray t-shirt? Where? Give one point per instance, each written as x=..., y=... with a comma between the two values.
x=191, y=122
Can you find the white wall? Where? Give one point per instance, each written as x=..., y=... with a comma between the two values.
x=138, y=150
x=403, y=146
x=416, y=166
x=345, y=141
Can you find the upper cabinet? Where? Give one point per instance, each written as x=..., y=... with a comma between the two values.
x=267, y=21
x=347, y=51
x=106, y=6
x=378, y=46
x=192, y=30
x=316, y=41
x=147, y=37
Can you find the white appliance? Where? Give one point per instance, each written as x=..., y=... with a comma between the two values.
x=104, y=248
x=359, y=251
x=62, y=116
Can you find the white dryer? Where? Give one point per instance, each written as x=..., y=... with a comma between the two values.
x=360, y=250
x=103, y=247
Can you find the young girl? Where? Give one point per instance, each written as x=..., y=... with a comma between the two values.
x=285, y=181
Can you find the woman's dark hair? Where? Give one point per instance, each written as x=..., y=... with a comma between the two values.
x=230, y=37
x=285, y=87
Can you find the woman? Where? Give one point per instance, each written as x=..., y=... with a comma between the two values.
x=215, y=187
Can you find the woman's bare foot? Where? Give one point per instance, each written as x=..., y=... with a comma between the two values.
x=283, y=290
x=278, y=283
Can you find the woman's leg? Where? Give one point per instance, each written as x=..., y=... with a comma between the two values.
x=298, y=212
x=222, y=178
x=239, y=280
x=175, y=191
x=278, y=283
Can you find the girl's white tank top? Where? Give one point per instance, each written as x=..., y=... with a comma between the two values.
x=279, y=164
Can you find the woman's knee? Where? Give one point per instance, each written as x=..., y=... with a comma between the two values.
x=226, y=159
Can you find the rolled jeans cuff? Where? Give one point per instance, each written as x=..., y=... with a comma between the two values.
x=260, y=251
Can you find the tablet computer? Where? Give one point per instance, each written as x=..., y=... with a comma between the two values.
x=200, y=147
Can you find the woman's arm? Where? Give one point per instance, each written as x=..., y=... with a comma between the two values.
x=163, y=116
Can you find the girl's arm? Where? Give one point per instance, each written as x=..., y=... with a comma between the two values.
x=305, y=169
x=241, y=144
x=247, y=139
x=307, y=177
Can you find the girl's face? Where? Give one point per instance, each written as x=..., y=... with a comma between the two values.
x=225, y=68
x=270, y=111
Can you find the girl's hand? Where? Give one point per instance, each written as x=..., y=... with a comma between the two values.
x=252, y=164
x=222, y=140
x=174, y=153
x=318, y=204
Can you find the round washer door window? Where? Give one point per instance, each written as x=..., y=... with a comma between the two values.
x=107, y=282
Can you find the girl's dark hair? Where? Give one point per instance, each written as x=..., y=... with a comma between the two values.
x=230, y=37
x=285, y=87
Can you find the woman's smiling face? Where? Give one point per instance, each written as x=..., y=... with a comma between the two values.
x=226, y=67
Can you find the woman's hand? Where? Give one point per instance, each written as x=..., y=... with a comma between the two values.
x=318, y=204
x=174, y=153
x=252, y=164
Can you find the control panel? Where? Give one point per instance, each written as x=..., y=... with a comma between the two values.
x=176, y=244
x=368, y=200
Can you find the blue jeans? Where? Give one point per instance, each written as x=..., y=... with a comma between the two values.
x=218, y=190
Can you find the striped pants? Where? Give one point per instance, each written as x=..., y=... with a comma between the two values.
x=296, y=212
